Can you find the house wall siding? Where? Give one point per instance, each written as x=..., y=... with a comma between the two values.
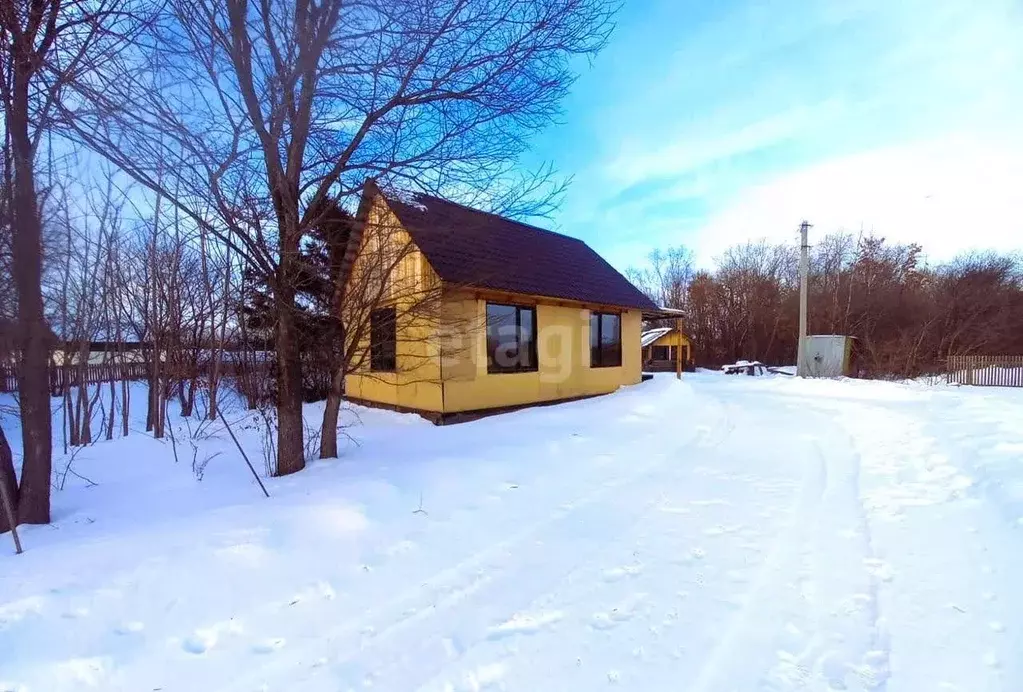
x=416, y=381
x=564, y=372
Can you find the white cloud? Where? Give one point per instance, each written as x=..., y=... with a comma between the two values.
x=901, y=117
x=946, y=194
x=696, y=151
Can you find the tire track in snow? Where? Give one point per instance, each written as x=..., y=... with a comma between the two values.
x=762, y=605
x=955, y=565
x=542, y=607
x=535, y=580
x=468, y=581
x=810, y=617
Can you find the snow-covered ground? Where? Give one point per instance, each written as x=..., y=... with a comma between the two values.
x=718, y=534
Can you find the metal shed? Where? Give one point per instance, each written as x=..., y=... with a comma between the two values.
x=828, y=355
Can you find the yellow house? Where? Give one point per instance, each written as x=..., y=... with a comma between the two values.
x=660, y=346
x=473, y=313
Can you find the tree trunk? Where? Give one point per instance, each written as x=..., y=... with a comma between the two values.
x=152, y=397
x=211, y=414
x=34, y=344
x=331, y=414
x=157, y=397
x=85, y=411
x=189, y=407
x=160, y=427
x=72, y=419
x=186, y=397
x=113, y=401
x=290, y=452
x=8, y=478
x=125, y=407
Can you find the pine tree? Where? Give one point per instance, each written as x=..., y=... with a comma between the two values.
x=319, y=331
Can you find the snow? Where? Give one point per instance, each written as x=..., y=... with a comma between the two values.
x=651, y=335
x=718, y=533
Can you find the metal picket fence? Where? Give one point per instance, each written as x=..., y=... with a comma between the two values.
x=986, y=371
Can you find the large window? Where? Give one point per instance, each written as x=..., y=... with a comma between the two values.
x=605, y=340
x=511, y=338
x=383, y=340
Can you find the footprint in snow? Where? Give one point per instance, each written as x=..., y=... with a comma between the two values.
x=131, y=627
x=83, y=672
x=622, y=613
x=200, y=642
x=205, y=638
x=736, y=602
x=857, y=603
x=737, y=576
x=320, y=590
x=268, y=646
x=525, y=623
x=453, y=648
x=879, y=569
x=789, y=672
x=619, y=573
x=399, y=548
x=482, y=678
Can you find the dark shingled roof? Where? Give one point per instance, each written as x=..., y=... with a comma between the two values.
x=475, y=248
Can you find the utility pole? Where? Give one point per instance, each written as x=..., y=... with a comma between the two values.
x=678, y=349
x=804, y=270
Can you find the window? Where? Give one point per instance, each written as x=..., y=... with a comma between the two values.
x=605, y=340
x=383, y=339
x=661, y=353
x=511, y=338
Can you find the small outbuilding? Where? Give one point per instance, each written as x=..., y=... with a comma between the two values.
x=660, y=346
x=828, y=355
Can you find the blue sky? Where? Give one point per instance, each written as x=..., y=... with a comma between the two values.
x=709, y=123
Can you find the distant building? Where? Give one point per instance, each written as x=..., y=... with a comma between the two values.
x=103, y=352
x=660, y=346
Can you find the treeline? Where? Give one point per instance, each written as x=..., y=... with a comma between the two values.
x=908, y=315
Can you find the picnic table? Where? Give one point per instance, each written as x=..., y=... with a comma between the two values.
x=752, y=368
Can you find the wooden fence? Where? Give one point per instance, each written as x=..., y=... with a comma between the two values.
x=987, y=371
x=67, y=375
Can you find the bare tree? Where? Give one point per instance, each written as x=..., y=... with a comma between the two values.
x=48, y=48
x=268, y=109
x=667, y=277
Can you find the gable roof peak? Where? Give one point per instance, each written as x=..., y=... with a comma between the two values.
x=471, y=247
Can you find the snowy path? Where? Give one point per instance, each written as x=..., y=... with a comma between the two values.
x=722, y=534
